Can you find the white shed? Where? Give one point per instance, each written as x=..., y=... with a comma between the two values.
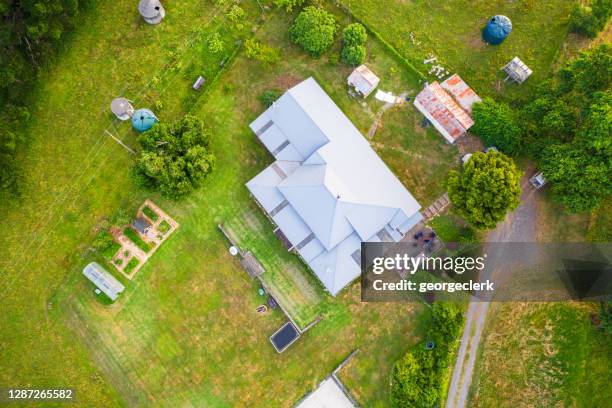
x=517, y=71
x=363, y=80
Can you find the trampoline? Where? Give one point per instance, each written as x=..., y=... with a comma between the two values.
x=284, y=337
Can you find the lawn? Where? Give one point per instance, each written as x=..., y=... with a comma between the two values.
x=559, y=359
x=73, y=174
x=451, y=31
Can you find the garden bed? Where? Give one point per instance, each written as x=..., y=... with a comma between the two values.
x=135, y=238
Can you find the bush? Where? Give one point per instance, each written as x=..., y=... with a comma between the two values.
x=353, y=54
x=268, y=97
x=214, y=44
x=419, y=377
x=354, y=34
x=175, y=158
x=354, y=38
x=261, y=52
x=288, y=4
x=314, y=30
x=496, y=125
x=589, y=21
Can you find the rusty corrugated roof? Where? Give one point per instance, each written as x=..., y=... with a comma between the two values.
x=463, y=94
x=444, y=110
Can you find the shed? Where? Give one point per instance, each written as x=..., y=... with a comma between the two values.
x=143, y=120
x=141, y=225
x=497, y=29
x=122, y=108
x=363, y=80
x=448, y=106
x=152, y=11
x=103, y=280
x=517, y=71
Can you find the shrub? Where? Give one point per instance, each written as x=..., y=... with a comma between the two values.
x=419, y=377
x=589, y=21
x=268, y=97
x=214, y=44
x=496, y=125
x=353, y=54
x=175, y=157
x=288, y=4
x=354, y=34
x=261, y=52
x=314, y=30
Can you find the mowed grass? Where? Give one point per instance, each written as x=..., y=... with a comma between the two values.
x=557, y=358
x=186, y=331
x=451, y=31
x=73, y=175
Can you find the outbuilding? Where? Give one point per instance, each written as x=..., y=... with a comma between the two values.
x=363, y=80
x=122, y=108
x=103, y=280
x=517, y=71
x=141, y=225
x=152, y=11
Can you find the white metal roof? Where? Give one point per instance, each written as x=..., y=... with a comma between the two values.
x=342, y=193
x=103, y=280
x=327, y=395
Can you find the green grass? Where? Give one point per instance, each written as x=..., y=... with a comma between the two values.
x=451, y=30
x=451, y=228
x=133, y=263
x=135, y=238
x=164, y=227
x=558, y=357
x=152, y=215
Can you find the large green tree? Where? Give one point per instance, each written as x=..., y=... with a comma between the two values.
x=580, y=172
x=314, y=30
x=485, y=189
x=496, y=124
x=354, y=37
x=175, y=157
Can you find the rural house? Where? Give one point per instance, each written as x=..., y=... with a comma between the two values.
x=448, y=106
x=328, y=190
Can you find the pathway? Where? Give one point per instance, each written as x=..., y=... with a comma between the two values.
x=519, y=226
x=379, y=114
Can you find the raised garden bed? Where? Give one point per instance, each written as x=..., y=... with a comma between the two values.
x=131, y=265
x=135, y=238
x=110, y=252
x=152, y=215
x=164, y=227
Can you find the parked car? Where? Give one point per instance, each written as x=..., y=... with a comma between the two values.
x=538, y=180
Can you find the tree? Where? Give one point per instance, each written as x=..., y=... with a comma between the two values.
x=236, y=15
x=579, y=171
x=354, y=38
x=486, y=188
x=589, y=72
x=288, y=4
x=589, y=21
x=175, y=158
x=314, y=30
x=354, y=34
x=354, y=54
x=495, y=123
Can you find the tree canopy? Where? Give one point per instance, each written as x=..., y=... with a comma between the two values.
x=486, y=188
x=496, y=124
x=354, y=38
x=175, y=157
x=314, y=30
x=289, y=5
x=589, y=21
x=417, y=378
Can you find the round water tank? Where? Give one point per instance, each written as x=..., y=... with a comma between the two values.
x=497, y=29
x=143, y=120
